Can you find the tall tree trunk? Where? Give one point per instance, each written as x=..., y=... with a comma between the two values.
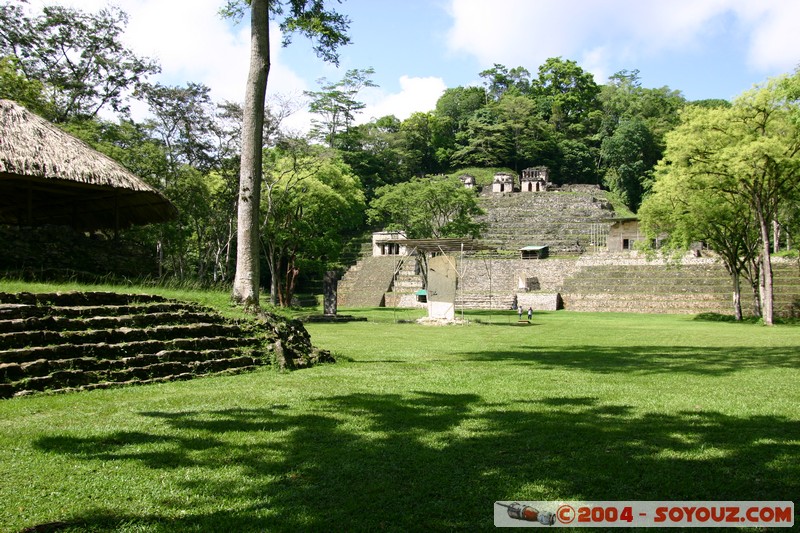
x=737, y=295
x=273, y=262
x=246, y=280
x=766, y=266
x=755, y=289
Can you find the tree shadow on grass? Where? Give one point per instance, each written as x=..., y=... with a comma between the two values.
x=643, y=360
x=364, y=462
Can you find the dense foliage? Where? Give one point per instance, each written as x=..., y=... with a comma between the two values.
x=730, y=177
x=553, y=115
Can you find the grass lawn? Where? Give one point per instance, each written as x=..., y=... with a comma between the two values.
x=421, y=428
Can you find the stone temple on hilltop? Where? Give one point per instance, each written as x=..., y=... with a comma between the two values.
x=546, y=247
x=503, y=182
x=534, y=179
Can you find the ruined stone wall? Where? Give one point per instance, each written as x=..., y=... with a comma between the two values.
x=580, y=187
x=505, y=274
x=365, y=283
x=540, y=301
x=624, y=282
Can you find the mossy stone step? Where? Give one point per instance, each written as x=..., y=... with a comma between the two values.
x=78, y=298
x=12, y=311
x=58, y=323
x=79, y=341
x=21, y=339
x=105, y=350
x=10, y=372
x=56, y=380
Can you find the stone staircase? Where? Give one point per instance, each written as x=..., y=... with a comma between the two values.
x=561, y=220
x=79, y=341
x=366, y=282
x=403, y=291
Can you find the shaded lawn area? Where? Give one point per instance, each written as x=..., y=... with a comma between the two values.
x=421, y=428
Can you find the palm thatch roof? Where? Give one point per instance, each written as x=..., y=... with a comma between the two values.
x=47, y=176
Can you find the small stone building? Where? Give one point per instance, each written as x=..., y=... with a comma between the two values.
x=382, y=246
x=503, y=182
x=534, y=179
x=468, y=180
x=623, y=234
x=534, y=252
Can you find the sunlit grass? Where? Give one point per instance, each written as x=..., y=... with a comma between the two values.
x=421, y=428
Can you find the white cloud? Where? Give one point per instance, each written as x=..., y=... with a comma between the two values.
x=194, y=44
x=601, y=35
x=775, y=39
x=416, y=95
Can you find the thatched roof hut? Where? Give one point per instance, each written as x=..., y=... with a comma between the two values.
x=47, y=176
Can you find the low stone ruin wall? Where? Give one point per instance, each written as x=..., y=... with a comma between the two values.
x=83, y=341
x=624, y=282
x=540, y=301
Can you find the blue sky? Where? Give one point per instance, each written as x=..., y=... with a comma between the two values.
x=704, y=48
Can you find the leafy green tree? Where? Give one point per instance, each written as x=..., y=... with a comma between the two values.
x=434, y=207
x=507, y=132
x=129, y=143
x=199, y=141
x=529, y=137
x=685, y=209
x=453, y=111
x=327, y=30
x=574, y=161
x=749, y=154
x=78, y=58
x=711, y=102
x=484, y=142
x=500, y=80
x=223, y=178
x=15, y=86
x=311, y=201
x=567, y=97
x=197, y=244
x=458, y=104
x=374, y=152
x=336, y=103
x=618, y=98
x=629, y=155
x=182, y=118
x=635, y=121
x=419, y=136
x=623, y=98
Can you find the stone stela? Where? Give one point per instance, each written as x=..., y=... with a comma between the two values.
x=329, y=286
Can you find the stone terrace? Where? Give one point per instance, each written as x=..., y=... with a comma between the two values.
x=96, y=340
x=561, y=220
x=614, y=283
x=620, y=282
x=650, y=288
